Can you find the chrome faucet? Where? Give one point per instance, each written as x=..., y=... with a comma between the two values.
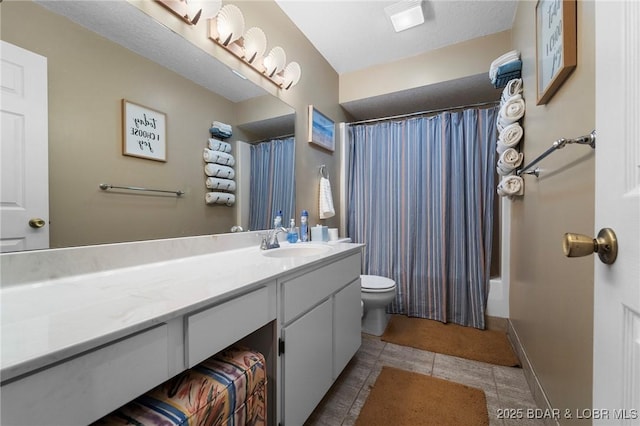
x=270, y=239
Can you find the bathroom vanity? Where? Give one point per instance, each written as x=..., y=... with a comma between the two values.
x=85, y=330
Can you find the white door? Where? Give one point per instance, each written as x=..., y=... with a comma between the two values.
x=24, y=159
x=616, y=379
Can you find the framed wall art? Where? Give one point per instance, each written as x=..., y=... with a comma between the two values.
x=144, y=132
x=321, y=129
x=556, y=45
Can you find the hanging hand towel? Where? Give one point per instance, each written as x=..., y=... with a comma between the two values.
x=218, y=183
x=219, y=157
x=218, y=145
x=509, y=160
x=326, y=200
x=217, y=170
x=513, y=87
x=509, y=137
x=510, y=112
x=511, y=185
x=220, y=198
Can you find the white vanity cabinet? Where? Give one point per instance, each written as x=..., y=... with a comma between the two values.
x=85, y=387
x=74, y=347
x=319, y=333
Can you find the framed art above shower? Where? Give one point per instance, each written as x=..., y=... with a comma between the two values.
x=321, y=129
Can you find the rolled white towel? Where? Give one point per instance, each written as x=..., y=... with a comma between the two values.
x=513, y=87
x=509, y=160
x=509, y=137
x=510, y=112
x=218, y=170
x=220, y=198
x=513, y=55
x=219, y=157
x=510, y=186
x=211, y=156
x=218, y=145
x=219, y=183
x=326, y=199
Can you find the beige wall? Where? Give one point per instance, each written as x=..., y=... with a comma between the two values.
x=551, y=297
x=450, y=63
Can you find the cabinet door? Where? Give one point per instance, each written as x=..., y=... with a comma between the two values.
x=346, y=325
x=307, y=363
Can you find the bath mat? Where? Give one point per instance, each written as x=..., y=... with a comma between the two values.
x=403, y=398
x=488, y=346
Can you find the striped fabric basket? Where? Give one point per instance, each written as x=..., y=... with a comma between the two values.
x=226, y=389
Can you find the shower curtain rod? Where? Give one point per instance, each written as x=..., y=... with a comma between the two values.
x=272, y=138
x=433, y=111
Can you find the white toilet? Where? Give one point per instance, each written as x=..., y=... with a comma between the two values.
x=377, y=293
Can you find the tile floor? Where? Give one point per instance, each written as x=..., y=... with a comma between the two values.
x=504, y=387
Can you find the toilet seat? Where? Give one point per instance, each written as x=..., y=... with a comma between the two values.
x=376, y=284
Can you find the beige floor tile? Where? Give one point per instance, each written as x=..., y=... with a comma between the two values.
x=471, y=373
x=504, y=387
x=406, y=358
x=513, y=390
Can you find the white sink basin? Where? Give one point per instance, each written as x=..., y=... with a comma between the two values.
x=300, y=250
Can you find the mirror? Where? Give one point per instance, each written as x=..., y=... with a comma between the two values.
x=101, y=52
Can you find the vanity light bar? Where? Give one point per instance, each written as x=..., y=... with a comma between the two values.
x=193, y=11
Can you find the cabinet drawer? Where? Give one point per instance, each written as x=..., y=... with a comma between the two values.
x=301, y=293
x=81, y=390
x=210, y=331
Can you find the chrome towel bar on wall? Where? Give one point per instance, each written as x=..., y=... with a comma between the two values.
x=589, y=139
x=106, y=186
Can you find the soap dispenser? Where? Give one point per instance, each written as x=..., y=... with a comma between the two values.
x=292, y=234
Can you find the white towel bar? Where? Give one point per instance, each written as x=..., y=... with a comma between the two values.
x=589, y=139
x=106, y=186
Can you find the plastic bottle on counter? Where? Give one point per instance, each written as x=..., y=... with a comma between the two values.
x=292, y=234
x=277, y=222
x=304, y=226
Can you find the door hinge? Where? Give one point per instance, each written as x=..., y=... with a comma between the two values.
x=280, y=346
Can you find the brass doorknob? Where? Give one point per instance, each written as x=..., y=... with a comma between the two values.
x=36, y=222
x=606, y=245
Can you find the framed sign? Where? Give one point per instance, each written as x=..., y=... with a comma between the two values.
x=556, y=45
x=144, y=132
x=321, y=129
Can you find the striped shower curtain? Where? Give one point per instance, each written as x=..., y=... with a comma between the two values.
x=421, y=198
x=272, y=181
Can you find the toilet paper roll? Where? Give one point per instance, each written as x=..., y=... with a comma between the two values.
x=333, y=234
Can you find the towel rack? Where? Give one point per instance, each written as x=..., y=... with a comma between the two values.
x=589, y=139
x=323, y=172
x=106, y=186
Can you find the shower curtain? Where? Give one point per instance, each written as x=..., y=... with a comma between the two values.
x=420, y=196
x=272, y=182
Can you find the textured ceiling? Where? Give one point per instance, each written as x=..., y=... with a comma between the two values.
x=126, y=25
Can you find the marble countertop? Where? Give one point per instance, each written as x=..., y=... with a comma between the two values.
x=47, y=321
